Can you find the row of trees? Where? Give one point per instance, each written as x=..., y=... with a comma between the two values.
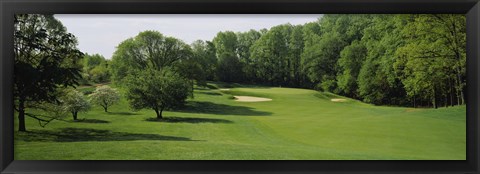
x=407, y=60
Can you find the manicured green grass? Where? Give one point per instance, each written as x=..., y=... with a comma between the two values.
x=296, y=124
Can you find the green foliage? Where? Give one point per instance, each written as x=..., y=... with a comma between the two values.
x=201, y=66
x=229, y=68
x=377, y=81
x=74, y=102
x=276, y=56
x=228, y=64
x=105, y=96
x=225, y=44
x=432, y=62
x=320, y=59
x=157, y=90
x=147, y=50
x=95, y=68
x=350, y=62
x=245, y=42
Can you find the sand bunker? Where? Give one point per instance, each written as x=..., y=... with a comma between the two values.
x=250, y=99
x=224, y=89
x=338, y=100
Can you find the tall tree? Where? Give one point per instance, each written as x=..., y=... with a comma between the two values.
x=149, y=49
x=229, y=68
x=245, y=42
x=350, y=62
x=437, y=42
x=319, y=60
x=270, y=53
x=296, y=44
x=205, y=58
x=377, y=81
x=46, y=58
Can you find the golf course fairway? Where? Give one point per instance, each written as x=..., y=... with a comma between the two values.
x=296, y=124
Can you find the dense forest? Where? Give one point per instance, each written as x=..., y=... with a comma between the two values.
x=415, y=60
x=404, y=60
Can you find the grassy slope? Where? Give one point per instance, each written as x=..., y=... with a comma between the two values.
x=297, y=124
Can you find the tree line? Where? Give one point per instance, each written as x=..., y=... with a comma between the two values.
x=406, y=60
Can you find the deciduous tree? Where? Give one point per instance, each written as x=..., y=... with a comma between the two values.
x=46, y=59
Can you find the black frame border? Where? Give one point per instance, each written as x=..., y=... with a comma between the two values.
x=10, y=7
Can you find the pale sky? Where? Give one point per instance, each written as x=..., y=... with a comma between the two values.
x=100, y=33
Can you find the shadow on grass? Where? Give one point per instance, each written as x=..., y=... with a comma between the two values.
x=208, y=93
x=121, y=113
x=220, y=109
x=205, y=87
x=85, y=134
x=90, y=121
x=188, y=120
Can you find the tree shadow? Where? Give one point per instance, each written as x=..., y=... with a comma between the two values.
x=90, y=121
x=85, y=134
x=188, y=120
x=208, y=93
x=121, y=113
x=220, y=109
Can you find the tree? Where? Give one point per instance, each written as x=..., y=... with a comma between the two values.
x=157, y=90
x=377, y=81
x=149, y=49
x=271, y=55
x=319, y=60
x=295, y=48
x=201, y=65
x=350, y=62
x=245, y=42
x=105, y=96
x=46, y=59
x=229, y=68
x=437, y=42
x=74, y=102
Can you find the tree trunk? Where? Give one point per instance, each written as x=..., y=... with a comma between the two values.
x=451, y=92
x=159, y=113
x=74, y=114
x=105, y=109
x=414, y=101
x=21, y=116
x=459, y=77
x=457, y=94
x=434, y=99
x=446, y=100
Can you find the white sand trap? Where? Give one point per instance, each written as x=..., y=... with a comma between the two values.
x=338, y=100
x=250, y=99
x=224, y=89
